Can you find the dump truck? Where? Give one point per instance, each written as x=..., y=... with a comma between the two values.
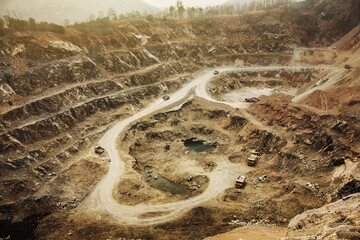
x=240, y=182
x=99, y=150
x=252, y=160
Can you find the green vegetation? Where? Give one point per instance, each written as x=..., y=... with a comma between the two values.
x=105, y=24
x=10, y=25
x=178, y=10
x=2, y=25
x=99, y=25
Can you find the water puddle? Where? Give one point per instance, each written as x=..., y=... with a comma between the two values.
x=198, y=145
x=19, y=230
x=163, y=184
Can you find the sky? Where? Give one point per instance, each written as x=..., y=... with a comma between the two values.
x=194, y=3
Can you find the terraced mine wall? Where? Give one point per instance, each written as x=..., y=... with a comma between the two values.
x=59, y=93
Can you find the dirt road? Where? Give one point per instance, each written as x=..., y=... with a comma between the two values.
x=101, y=201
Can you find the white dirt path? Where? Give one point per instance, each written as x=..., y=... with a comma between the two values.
x=101, y=201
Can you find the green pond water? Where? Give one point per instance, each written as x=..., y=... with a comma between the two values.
x=164, y=184
x=197, y=145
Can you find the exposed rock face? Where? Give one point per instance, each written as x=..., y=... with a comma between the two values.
x=326, y=21
x=60, y=93
x=277, y=80
x=49, y=76
x=346, y=179
x=338, y=220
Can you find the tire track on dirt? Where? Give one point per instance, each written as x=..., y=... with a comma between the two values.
x=101, y=201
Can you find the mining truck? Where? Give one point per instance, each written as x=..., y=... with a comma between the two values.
x=99, y=150
x=252, y=160
x=240, y=182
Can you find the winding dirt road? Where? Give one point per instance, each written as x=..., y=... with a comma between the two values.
x=101, y=201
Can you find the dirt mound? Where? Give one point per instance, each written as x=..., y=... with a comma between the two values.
x=339, y=219
x=321, y=100
x=351, y=41
x=344, y=100
x=325, y=21
x=253, y=232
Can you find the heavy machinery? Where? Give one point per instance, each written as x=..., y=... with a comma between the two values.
x=252, y=160
x=240, y=182
x=99, y=150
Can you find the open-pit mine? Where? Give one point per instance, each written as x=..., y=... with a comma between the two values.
x=228, y=127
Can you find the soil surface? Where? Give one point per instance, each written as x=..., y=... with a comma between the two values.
x=108, y=137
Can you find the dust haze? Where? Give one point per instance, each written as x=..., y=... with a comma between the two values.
x=59, y=10
x=222, y=122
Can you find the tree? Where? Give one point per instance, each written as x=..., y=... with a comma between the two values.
x=180, y=8
x=111, y=14
x=2, y=25
x=101, y=14
x=171, y=11
x=92, y=17
x=150, y=18
x=32, y=24
x=191, y=12
x=56, y=28
x=121, y=17
x=200, y=11
x=66, y=22
x=230, y=9
x=17, y=24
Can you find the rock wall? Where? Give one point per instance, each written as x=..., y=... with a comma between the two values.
x=338, y=220
x=60, y=92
